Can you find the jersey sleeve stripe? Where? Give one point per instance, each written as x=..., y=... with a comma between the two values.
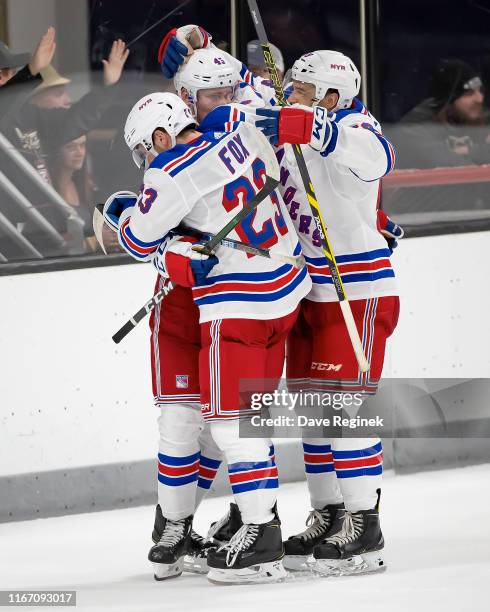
x=389, y=150
x=133, y=245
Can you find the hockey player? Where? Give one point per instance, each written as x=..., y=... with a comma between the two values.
x=346, y=157
x=184, y=475
x=206, y=81
x=352, y=473
x=247, y=306
x=211, y=77
x=204, y=84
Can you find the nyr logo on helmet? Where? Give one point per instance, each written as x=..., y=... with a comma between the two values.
x=145, y=103
x=337, y=67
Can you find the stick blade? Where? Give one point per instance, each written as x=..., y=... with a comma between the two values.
x=98, y=223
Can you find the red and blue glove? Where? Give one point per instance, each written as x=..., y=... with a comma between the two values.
x=173, y=52
x=390, y=230
x=288, y=124
x=185, y=267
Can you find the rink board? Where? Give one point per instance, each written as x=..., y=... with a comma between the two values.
x=78, y=425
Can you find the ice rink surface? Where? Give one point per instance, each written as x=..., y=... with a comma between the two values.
x=436, y=525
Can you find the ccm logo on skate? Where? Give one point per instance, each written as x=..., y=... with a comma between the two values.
x=326, y=367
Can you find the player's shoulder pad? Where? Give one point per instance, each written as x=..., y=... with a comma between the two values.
x=182, y=156
x=355, y=116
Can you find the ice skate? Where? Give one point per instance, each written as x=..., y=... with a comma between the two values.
x=196, y=560
x=357, y=549
x=253, y=555
x=172, y=543
x=223, y=530
x=320, y=524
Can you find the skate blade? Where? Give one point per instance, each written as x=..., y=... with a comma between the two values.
x=297, y=563
x=164, y=571
x=366, y=563
x=196, y=565
x=255, y=574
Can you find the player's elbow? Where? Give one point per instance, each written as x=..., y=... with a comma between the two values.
x=138, y=249
x=379, y=164
x=387, y=157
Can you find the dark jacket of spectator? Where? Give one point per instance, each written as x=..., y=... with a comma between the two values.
x=449, y=129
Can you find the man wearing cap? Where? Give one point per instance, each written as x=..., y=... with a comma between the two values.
x=48, y=119
x=450, y=128
x=39, y=124
x=16, y=67
x=255, y=59
x=52, y=92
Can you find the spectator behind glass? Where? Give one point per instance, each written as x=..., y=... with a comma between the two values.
x=10, y=63
x=451, y=128
x=22, y=68
x=255, y=59
x=43, y=125
x=52, y=92
x=73, y=182
x=31, y=127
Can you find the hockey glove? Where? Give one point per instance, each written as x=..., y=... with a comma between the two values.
x=185, y=267
x=390, y=230
x=115, y=205
x=291, y=124
x=174, y=48
x=323, y=136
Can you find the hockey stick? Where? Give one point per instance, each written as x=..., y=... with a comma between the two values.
x=310, y=194
x=172, y=12
x=271, y=182
x=230, y=243
x=297, y=262
x=208, y=248
x=143, y=311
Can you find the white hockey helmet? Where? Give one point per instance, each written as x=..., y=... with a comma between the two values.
x=206, y=69
x=157, y=110
x=329, y=70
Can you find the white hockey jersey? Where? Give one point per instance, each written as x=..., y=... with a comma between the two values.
x=345, y=168
x=203, y=185
x=345, y=172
